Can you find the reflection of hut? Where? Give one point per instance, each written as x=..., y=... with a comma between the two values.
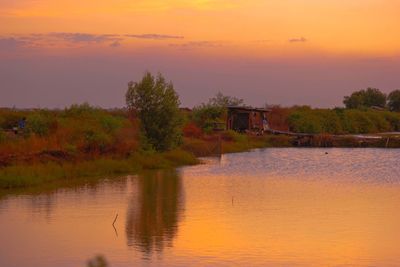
x=243, y=119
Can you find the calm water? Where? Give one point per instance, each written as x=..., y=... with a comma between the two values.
x=274, y=207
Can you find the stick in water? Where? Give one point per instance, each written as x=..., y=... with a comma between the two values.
x=116, y=216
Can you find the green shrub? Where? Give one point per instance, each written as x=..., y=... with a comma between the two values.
x=109, y=123
x=206, y=115
x=331, y=122
x=9, y=118
x=231, y=135
x=97, y=141
x=214, y=111
x=304, y=121
x=379, y=121
x=81, y=110
x=199, y=147
x=41, y=123
x=393, y=119
x=2, y=136
x=357, y=121
x=339, y=121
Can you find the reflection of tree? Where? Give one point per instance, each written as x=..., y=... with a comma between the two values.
x=152, y=217
x=44, y=204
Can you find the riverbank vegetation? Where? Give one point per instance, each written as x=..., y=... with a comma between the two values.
x=153, y=132
x=342, y=121
x=24, y=175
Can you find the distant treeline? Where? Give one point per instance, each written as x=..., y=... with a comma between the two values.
x=38, y=146
x=373, y=97
x=336, y=121
x=366, y=111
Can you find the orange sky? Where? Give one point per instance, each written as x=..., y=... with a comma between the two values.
x=366, y=27
x=285, y=52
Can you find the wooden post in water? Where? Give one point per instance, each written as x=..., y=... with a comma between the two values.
x=387, y=142
x=218, y=130
x=116, y=216
x=220, y=143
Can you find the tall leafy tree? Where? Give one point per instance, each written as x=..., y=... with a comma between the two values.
x=365, y=98
x=223, y=101
x=157, y=105
x=206, y=114
x=394, y=100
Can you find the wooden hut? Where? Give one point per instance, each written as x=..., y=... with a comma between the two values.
x=244, y=119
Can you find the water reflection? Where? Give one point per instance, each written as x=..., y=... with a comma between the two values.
x=43, y=205
x=154, y=212
x=292, y=207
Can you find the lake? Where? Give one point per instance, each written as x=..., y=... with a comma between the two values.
x=268, y=207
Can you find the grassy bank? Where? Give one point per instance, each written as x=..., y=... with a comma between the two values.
x=50, y=171
x=28, y=175
x=82, y=142
x=39, y=173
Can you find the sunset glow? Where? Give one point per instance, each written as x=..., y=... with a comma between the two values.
x=355, y=27
x=199, y=133
x=285, y=31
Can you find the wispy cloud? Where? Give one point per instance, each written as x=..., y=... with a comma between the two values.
x=68, y=39
x=197, y=44
x=154, y=36
x=298, y=40
x=115, y=44
x=84, y=37
x=262, y=41
x=8, y=43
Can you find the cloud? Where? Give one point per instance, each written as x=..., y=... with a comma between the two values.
x=262, y=41
x=57, y=39
x=115, y=44
x=154, y=36
x=85, y=37
x=197, y=44
x=68, y=39
x=298, y=40
x=8, y=43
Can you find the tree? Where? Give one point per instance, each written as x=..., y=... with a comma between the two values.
x=157, y=105
x=365, y=98
x=355, y=100
x=394, y=100
x=206, y=114
x=223, y=101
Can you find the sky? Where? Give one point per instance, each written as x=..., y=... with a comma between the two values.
x=305, y=52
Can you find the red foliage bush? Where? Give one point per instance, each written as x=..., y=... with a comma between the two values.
x=191, y=130
x=278, y=118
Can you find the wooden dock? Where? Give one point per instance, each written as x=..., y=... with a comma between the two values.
x=391, y=139
x=356, y=136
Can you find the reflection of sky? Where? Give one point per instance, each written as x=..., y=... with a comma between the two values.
x=54, y=53
x=296, y=207
x=339, y=164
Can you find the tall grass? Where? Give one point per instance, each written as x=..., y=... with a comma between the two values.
x=27, y=175
x=80, y=129
x=94, y=142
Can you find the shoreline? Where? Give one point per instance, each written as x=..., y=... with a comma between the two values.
x=39, y=174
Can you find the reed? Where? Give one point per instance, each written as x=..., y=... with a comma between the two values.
x=28, y=175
